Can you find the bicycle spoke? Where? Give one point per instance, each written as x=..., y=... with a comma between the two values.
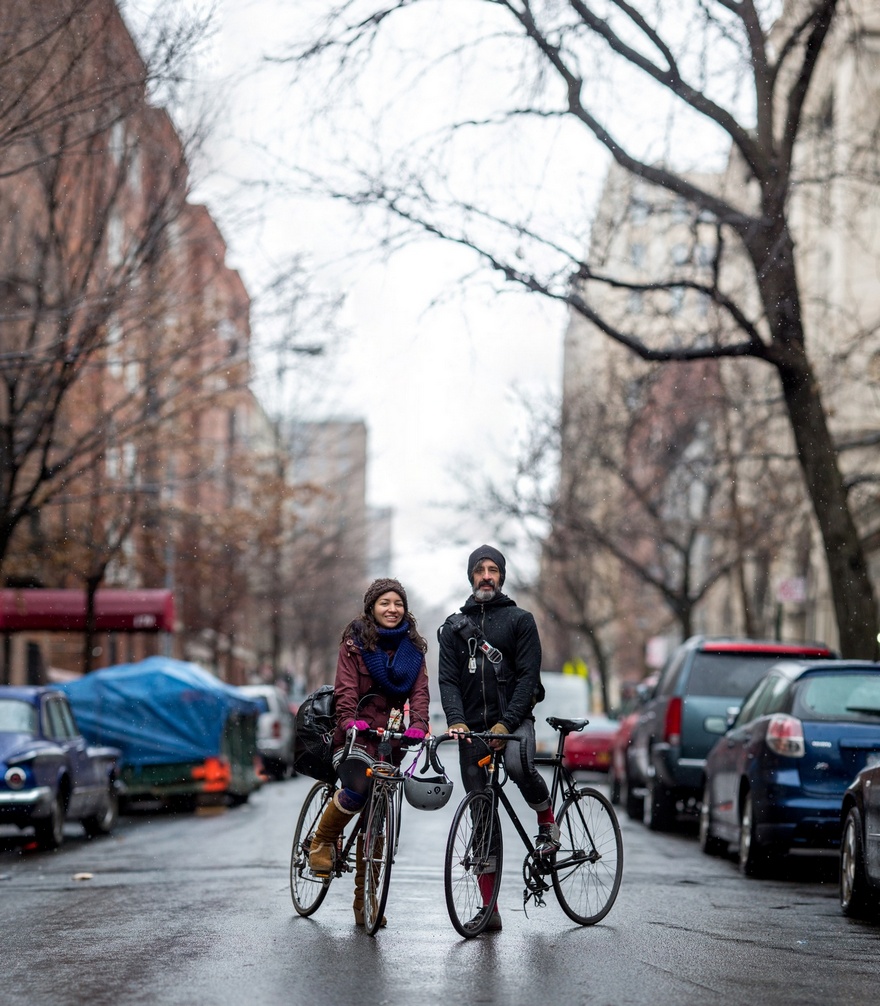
x=473, y=849
x=378, y=855
x=307, y=891
x=588, y=867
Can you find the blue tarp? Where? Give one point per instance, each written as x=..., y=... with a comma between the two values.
x=157, y=712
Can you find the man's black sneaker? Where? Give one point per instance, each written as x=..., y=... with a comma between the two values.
x=492, y=926
x=547, y=841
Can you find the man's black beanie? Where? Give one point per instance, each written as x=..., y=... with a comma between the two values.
x=486, y=552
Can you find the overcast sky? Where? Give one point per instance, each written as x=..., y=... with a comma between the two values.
x=436, y=368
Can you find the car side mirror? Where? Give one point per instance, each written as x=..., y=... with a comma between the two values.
x=715, y=725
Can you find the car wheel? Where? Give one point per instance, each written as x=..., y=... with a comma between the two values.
x=50, y=831
x=633, y=803
x=659, y=806
x=755, y=860
x=709, y=843
x=613, y=787
x=105, y=820
x=855, y=896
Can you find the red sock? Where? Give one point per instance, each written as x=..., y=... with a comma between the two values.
x=546, y=816
x=487, y=885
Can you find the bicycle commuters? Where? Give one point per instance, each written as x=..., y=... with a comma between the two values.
x=381, y=666
x=490, y=662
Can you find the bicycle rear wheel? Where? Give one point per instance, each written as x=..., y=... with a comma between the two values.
x=588, y=867
x=379, y=839
x=474, y=848
x=307, y=890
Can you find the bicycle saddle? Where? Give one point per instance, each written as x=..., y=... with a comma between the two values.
x=566, y=726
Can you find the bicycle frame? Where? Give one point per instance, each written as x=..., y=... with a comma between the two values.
x=385, y=783
x=584, y=866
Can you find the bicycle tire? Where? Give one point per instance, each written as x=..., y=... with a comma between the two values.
x=379, y=838
x=588, y=868
x=307, y=891
x=475, y=833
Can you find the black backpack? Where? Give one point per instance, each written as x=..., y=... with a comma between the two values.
x=315, y=723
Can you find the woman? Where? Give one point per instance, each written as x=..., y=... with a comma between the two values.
x=381, y=667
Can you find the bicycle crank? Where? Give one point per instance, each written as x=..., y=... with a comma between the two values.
x=534, y=870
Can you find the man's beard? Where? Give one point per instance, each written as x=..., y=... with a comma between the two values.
x=485, y=594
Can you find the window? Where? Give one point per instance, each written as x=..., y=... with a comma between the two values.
x=54, y=725
x=17, y=717
x=727, y=674
x=680, y=254
x=850, y=697
x=639, y=211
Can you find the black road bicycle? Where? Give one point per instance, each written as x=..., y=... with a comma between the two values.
x=379, y=822
x=585, y=872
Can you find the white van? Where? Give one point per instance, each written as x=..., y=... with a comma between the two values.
x=566, y=695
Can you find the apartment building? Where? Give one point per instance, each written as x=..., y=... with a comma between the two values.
x=137, y=456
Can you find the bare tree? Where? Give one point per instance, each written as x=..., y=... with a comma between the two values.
x=104, y=349
x=655, y=508
x=577, y=75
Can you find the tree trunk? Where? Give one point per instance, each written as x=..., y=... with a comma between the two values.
x=92, y=584
x=854, y=601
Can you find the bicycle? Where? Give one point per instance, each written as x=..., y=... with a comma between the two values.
x=585, y=872
x=378, y=822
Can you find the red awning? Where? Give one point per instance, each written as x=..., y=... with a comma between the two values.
x=65, y=610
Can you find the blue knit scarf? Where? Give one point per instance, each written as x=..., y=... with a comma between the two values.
x=395, y=673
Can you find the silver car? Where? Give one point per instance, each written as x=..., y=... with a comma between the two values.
x=275, y=729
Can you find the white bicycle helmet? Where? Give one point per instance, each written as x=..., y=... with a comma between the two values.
x=427, y=794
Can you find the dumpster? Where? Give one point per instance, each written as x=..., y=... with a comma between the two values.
x=185, y=736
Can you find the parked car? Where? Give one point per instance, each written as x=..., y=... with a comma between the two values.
x=275, y=729
x=860, y=844
x=777, y=778
x=589, y=750
x=185, y=736
x=702, y=683
x=629, y=716
x=48, y=772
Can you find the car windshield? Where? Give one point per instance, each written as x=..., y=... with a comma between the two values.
x=727, y=674
x=17, y=717
x=850, y=698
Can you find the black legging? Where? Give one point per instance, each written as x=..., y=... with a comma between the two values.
x=353, y=778
x=519, y=759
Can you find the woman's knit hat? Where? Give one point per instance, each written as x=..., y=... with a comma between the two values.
x=379, y=587
x=487, y=552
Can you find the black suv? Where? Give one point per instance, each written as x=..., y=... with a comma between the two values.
x=702, y=684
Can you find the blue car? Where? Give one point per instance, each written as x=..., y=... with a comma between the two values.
x=775, y=781
x=48, y=773
x=860, y=845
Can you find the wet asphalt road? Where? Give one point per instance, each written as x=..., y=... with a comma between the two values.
x=195, y=909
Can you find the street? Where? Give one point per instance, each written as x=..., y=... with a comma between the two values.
x=195, y=909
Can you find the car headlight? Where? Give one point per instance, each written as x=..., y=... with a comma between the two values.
x=16, y=777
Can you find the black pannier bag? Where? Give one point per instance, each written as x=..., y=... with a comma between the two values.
x=315, y=723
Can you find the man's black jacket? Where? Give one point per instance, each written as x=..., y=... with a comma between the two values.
x=474, y=698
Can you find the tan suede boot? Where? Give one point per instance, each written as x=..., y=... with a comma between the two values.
x=330, y=827
x=359, y=872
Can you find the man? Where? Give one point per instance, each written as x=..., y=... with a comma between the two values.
x=480, y=695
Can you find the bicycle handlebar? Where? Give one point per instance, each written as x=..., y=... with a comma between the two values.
x=380, y=734
x=432, y=743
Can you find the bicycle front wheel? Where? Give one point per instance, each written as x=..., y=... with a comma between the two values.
x=379, y=842
x=307, y=890
x=588, y=867
x=473, y=850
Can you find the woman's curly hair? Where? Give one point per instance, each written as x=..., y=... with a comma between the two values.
x=364, y=631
